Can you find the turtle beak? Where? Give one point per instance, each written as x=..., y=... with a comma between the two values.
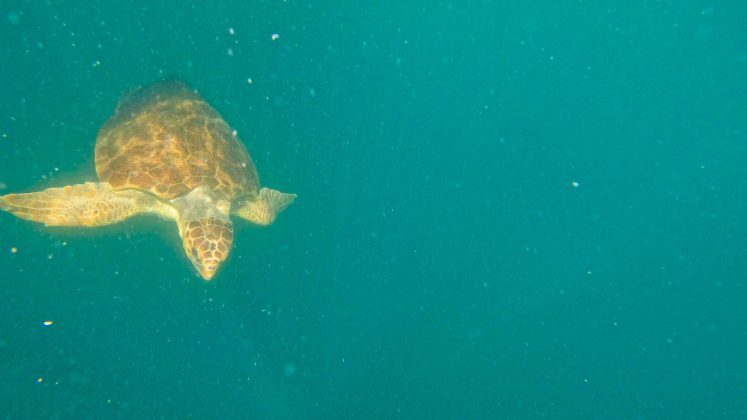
x=208, y=272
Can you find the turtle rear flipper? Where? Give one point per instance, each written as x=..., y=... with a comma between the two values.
x=89, y=204
x=266, y=207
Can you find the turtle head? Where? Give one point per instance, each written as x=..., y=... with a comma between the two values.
x=207, y=243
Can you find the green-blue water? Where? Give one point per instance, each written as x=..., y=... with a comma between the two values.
x=504, y=211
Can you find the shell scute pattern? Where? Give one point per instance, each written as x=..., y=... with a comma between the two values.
x=168, y=140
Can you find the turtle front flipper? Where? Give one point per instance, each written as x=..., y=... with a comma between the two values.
x=89, y=204
x=266, y=207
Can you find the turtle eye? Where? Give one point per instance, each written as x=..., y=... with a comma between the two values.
x=191, y=249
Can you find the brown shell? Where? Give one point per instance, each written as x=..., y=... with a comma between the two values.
x=166, y=139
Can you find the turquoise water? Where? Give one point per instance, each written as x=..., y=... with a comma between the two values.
x=504, y=211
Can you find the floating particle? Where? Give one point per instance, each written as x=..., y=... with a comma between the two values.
x=275, y=37
x=231, y=31
x=249, y=80
x=48, y=323
x=230, y=52
x=574, y=184
x=14, y=250
x=40, y=379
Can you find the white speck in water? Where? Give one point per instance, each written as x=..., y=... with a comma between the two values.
x=275, y=37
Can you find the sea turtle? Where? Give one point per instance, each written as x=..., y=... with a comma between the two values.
x=165, y=151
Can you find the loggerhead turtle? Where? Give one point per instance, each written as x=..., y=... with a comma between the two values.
x=165, y=151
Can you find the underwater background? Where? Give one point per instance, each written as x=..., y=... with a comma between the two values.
x=505, y=209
